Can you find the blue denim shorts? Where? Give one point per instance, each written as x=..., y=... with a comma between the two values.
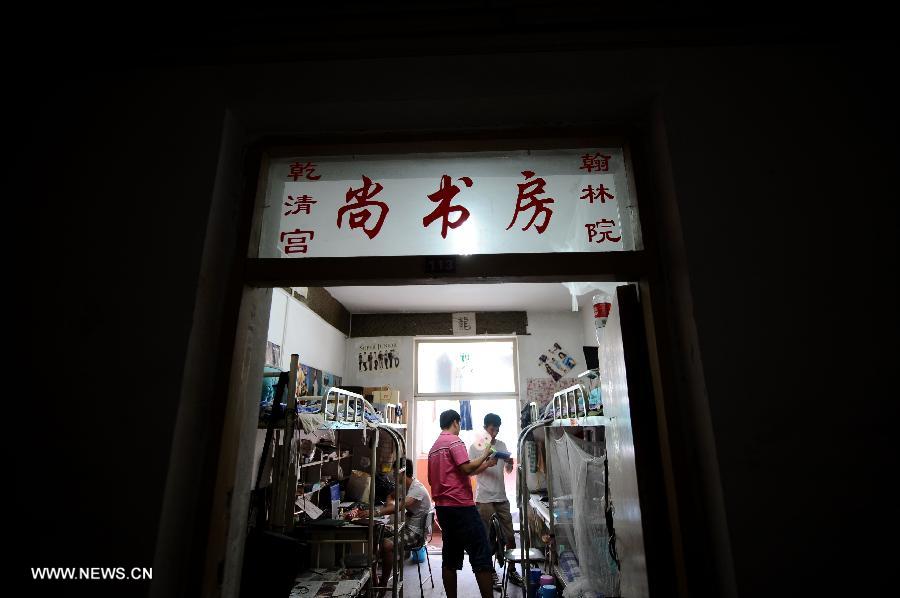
x=463, y=530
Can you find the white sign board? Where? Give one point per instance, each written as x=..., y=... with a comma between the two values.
x=464, y=323
x=449, y=204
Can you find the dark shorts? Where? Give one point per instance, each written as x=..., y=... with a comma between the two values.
x=463, y=531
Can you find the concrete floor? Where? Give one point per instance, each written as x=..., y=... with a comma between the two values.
x=465, y=579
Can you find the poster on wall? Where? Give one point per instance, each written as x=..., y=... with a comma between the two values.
x=377, y=356
x=315, y=382
x=310, y=382
x=556, y=362
x=273, y=354
x=329, y=380
x=541, y=390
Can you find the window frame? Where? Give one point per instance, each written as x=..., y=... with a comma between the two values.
x=481, y=338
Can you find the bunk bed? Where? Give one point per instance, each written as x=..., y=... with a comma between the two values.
x=341, y=412
x=569, y=410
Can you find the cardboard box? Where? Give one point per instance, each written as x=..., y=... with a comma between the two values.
x=358, y=486
x=386, y=396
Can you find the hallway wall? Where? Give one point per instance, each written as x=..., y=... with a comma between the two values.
x=780, y=179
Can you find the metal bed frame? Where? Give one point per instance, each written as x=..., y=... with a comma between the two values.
x=346, y=415
x=569, y=410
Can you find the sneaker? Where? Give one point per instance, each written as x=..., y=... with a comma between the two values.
x=515, y=577
x=496, y=579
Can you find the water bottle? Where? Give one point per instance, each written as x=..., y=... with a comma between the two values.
x=547, y=591
x=534, y=577
x=602, y=304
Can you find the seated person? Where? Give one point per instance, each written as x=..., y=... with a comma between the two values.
x=418, y=504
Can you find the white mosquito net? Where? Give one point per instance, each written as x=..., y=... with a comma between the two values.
x=579, y=507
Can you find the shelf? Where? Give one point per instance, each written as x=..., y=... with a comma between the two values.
x=329, y=425
x=322, y=487
x=590, y=420
x=544, y=513
x=394, y=426
x=323, y=461
x=333, y=425
x=540, y=508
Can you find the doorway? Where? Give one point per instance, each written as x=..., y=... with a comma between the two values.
x=261, y=271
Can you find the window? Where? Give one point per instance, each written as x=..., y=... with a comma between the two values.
x=466, y=366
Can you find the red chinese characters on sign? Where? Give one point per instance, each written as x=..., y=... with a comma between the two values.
x=605, y=235
x=295, y=241
x=529, y=191
x=598, y=162
x=601, y=193
x=301, y=203
x=300, y=170
x=444, y=195
x=359, y=211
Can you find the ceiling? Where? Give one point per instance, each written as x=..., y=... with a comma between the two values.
x=253, y=32
x=545, y=297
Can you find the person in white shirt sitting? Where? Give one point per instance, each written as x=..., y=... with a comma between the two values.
x=418, y=505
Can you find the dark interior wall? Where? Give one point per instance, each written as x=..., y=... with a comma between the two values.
x=112, y=199
x=119, y=187
x=782, y=160
x=330, y=309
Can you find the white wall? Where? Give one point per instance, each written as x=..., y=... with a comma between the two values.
x=401, y=379
x=585, y=292
x=569, y=329
x=278, y=317
x=300, y=330
x=586, y=315
x=545, y=328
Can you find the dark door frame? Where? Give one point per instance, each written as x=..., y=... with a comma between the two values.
x=660, y=494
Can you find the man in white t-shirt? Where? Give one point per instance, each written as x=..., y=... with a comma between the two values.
x=490, y=491
x=418, y=505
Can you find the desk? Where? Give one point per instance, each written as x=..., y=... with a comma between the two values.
x=324, y=583
x=347, y=534
x=344, y=535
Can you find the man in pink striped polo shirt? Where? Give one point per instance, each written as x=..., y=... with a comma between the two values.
x=449, y=469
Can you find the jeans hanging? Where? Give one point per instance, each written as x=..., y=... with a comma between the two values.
x=465, y=415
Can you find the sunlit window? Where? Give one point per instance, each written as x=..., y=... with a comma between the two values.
x=466, y=366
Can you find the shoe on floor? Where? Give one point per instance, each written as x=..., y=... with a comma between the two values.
x=515, y=577
x=496, y=579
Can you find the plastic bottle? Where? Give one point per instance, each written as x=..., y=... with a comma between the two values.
x=602, y=303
